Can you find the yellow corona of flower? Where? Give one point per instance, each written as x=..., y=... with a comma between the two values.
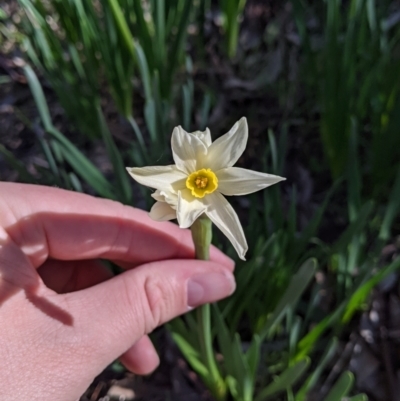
x=199, y=179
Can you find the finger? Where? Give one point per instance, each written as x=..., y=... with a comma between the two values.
x=58, y=224
x=141, y=358
x=68, y=276
x=115, y=314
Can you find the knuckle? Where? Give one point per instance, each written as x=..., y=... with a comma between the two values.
x=158, y=301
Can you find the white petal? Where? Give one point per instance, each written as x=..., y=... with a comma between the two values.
x=204, y=136
x=158, y=177
x=161, y=211
x=158, y=196
x=189, y=208
x=226, y=150
x=166, y=196
x=239, y=181
x=188, y=150
x=221, y=213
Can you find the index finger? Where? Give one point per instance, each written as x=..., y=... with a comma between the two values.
x=49, y=222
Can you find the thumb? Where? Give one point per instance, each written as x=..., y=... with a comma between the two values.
x=117, y=313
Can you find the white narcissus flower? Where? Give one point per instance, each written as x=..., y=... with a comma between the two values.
x=202, y=174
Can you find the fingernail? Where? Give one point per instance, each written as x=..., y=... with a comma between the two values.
x=211, y=287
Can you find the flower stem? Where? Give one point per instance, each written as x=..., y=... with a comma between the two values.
x=202, y=235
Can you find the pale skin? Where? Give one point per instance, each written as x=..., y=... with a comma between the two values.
x=63, y=316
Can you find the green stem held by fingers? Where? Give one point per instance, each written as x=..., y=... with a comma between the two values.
x=202, y=235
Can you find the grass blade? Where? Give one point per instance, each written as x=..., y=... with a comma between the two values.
x=287, y=379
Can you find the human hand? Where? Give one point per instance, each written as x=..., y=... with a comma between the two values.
x=63, y=317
